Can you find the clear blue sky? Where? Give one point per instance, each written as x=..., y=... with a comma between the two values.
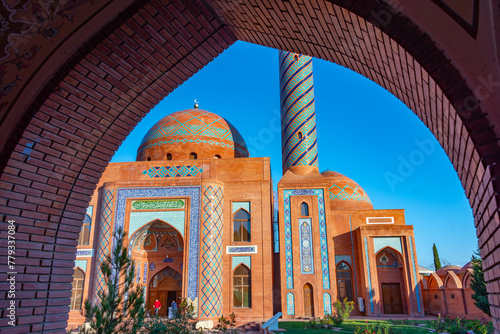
x=364, y=132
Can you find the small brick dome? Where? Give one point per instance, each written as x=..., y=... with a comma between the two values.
x=191, y=134
x=345, y=194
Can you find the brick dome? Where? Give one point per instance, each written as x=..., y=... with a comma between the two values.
x=191, y=134
x=345, y=194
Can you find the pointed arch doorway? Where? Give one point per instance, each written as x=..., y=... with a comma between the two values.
x=308, y=301
x=166, y=286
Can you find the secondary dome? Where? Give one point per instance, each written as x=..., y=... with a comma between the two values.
x=192, y=134
x=345, y=194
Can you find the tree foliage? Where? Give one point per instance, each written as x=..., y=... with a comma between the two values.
x=478, y=285
x=120, y=305
x=437, y=262
x=182, y=322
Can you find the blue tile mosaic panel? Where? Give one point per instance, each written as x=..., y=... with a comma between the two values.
x=85, y=253
x=172, y=171
x=290, y=304
x=176, y=219
x=241, y=205
x=90, y=210
x=327, y=303
x=82, y=264
x=145, y=274
x=417, y=289
x=246, y=260
x=306, y=246
x=340, y=258
x=382, y=242
x=322, y=232
x=194, y=223
x=369, y=276
x=211, y=252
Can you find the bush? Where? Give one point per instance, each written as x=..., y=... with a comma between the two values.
x=343, y=311
x=314, y=323
x=227, y=326
x=181, y=323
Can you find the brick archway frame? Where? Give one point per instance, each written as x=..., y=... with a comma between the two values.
x=69, y=129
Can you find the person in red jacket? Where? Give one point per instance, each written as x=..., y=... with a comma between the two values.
x=157, y=306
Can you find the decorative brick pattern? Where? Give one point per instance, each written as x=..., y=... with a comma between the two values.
x=211, y=252
x=104, y=235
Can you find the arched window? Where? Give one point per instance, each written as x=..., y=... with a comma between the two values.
x=296, y=57
x=77, y=291
x=242, y=287
x=241, y=225
x=300, y=135
x=84, y=238
x=193, y=156
x=344, y=281
x=169, y=156
x=217, y=156
x=148, y=159
x=304, y=209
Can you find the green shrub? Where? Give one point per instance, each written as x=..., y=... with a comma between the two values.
x=343, y=311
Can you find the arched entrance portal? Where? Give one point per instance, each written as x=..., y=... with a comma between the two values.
x=158, y=249
x=391, y=279
x=166, y=286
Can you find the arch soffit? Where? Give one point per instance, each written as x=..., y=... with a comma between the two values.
x=143, y=228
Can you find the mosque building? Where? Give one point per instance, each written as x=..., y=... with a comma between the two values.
x=200, y=221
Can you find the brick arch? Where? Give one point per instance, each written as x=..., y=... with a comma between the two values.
x=71, y=129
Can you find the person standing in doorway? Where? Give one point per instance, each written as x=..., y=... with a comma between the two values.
x=157, y=306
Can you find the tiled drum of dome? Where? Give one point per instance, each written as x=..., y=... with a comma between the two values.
x=211, y=252
x=297, y=110
x=194, y=123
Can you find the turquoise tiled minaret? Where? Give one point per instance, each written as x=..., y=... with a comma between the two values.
x=298, y=116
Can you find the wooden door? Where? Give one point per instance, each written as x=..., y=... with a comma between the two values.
x=308, y=301
x=391, y=298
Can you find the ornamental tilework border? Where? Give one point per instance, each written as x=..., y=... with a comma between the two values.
x=211, y=252
x=306, y=246
x=241, y=249
x=369, y=276
x=194, y=238
x=104, y=235
x=417, y=286
x=322, y=230
x=246, y=260
x=172, y=171
x=145, y=274
x=290, y=304
x=327, y=303
x=382, y=242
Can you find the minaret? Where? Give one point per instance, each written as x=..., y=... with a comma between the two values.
x=298, y=116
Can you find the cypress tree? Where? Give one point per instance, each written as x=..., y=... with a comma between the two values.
x=121, y=305
x=437, y=262
x=478, y=285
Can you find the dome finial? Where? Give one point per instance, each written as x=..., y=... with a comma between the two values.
x=196, y=105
